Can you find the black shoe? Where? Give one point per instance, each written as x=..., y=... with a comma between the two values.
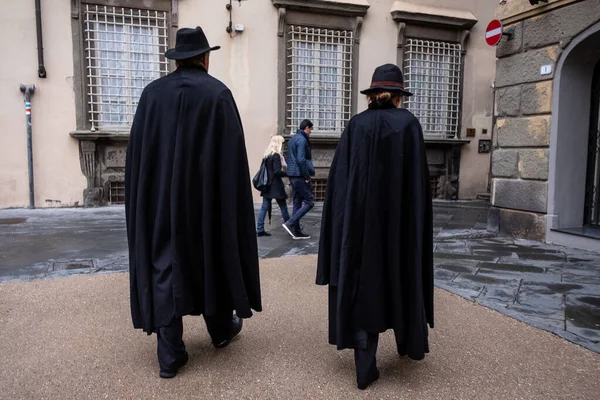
x=300, y=235
x=170, y=373
x=371, y=379
x=263, y=233
x=289, y=230
x=236, y=328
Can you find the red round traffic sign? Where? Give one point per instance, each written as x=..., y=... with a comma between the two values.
x=493, y=33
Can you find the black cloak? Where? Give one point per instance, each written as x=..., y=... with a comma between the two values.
x=188, y=204
x=376, y=245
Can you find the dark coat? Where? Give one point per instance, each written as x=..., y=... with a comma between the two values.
x=188, y=203
x=299, y=157
x=376, y=244
x=276, y=189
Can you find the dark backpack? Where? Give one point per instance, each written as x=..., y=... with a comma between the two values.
x=261, y=179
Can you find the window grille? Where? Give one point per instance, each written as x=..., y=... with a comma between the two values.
x=432, y=71
x=319, y=188
x=116, y=193
x=124, y=50
x=435, y=186
x=319, y=78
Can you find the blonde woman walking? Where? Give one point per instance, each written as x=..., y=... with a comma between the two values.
x=275, y=163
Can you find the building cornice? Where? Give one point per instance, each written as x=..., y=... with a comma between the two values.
x=417, y=14
x=348, y=8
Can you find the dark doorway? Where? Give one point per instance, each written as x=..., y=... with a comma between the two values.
x=592, y=187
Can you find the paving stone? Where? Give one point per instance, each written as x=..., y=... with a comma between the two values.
x=444, y=275
x=512, y=267
x=503, y=294
x=454, y=247
x=449, y=264
x=592, y=278
x=468, y=290
x=583, y=316
x=486, y=280
x=455, y=256
x=458, y=268
x=536, y=263
x=492, y=252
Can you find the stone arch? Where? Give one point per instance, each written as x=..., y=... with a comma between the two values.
x=571, y=106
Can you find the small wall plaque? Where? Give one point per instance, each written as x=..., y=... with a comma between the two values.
x=485, y=146
x=484, y=131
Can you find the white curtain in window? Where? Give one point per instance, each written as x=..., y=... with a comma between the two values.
x=127, y=63
x=111, y=73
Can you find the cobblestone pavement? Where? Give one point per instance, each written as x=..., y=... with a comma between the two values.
x=550, y=287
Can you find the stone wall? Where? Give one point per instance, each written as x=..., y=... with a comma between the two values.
x=523, y=108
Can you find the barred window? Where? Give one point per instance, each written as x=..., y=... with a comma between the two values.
x=319, y=78
x=124, y=53
x=432, y=72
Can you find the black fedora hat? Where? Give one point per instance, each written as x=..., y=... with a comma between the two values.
x=190, y=43
x=387, y=77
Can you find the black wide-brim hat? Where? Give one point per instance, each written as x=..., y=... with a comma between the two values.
x=190, y=43
x=387, y=77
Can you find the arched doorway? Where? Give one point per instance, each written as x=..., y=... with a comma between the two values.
x=574, y=179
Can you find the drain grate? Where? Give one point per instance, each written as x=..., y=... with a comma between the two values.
x=69, y=265
x=12, y=221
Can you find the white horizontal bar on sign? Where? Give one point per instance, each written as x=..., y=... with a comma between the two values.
x=494, y=32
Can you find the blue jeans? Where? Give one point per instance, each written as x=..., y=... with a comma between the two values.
x=303, y=201
x=260, y=224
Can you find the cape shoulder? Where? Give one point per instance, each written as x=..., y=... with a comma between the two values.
x=194, y=78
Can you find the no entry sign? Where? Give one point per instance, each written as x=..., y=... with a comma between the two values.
x=493, y=33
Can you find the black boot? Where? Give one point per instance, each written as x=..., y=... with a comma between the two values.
x=236, y=327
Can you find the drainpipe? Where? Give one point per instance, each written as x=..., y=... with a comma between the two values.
x=494, y=120
x=40, y=46
x=29, y=90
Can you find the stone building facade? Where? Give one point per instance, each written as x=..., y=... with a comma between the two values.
x=291, y=59
x=545, y=162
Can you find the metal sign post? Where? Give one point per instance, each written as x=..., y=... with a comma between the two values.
x=29, y=90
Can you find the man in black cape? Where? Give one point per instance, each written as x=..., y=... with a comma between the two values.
x=376, y=245
x=189, y=208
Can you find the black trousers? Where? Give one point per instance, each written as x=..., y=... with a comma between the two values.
x=365, y=352
x=170, y=346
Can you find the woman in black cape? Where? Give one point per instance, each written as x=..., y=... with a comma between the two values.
x=376, y=244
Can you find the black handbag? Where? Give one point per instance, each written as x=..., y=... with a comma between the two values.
x=261, y=179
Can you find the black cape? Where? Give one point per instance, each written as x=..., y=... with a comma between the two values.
x=376, y=245
x=188, y=203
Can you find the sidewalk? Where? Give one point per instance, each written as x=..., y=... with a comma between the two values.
x=550, y=287
x=72, y=338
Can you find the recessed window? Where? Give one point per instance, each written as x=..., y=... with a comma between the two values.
x=116, y=193
x=432, y=74
x=124, y=50
x=319, y=78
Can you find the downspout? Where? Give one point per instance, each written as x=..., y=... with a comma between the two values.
x=40, y=45
x=494, y=120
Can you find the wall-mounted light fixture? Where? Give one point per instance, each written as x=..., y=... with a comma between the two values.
x=239, y=28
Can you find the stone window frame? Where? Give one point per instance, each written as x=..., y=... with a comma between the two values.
x=83, y=125
x=444, y=26
x=316, y=14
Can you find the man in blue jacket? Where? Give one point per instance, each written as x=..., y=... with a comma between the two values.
x=299, y=169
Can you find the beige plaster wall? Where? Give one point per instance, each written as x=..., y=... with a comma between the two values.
x=480, y=69
x=56, y=157
x=247, y=63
